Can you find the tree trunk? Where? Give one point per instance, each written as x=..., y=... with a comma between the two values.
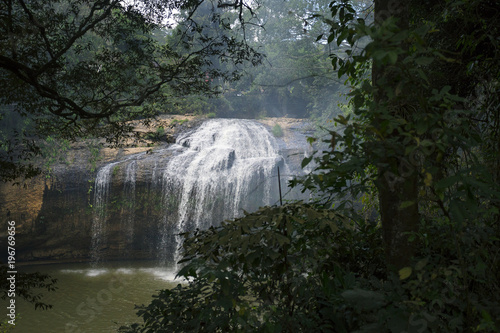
x=397, y=181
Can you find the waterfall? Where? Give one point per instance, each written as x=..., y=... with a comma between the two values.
x=228, y=165
x=129, y=205
x=102, y=185
x=210, y=174
x=101, y=192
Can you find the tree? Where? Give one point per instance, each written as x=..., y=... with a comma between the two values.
x=77, y=69
x=396, y=189
x=408, y=115
x=296, y=77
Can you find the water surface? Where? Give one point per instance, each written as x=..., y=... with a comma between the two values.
x=92, y=299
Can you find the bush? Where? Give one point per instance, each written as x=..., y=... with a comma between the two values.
x=277, y=269
x=297, y=268
x=277, y=131
x=160, y=131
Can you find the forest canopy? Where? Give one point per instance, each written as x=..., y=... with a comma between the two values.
x=78, y=69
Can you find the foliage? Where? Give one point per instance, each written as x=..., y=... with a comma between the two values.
x=53, y=151
x=277, y=131
x=6, y=327
x=26, y=285
x=157, y=135
x=296, y=78
x=265, y=272
x=299, y=268
x=420, y=119
x=74, y=70
x=415, y=135
x=180, y=122
x=420, y=140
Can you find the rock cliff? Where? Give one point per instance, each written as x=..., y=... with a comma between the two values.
x=56, y=215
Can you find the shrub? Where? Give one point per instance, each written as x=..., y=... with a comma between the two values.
x=160, y=131
x=277, y=131
x=298, y=268
x=274, y=270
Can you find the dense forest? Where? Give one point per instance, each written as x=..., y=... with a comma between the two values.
x=403, y=232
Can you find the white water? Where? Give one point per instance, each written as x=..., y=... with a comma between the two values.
x=225, y=163
x=129, y=189
x=211, y=174
x=101, y=190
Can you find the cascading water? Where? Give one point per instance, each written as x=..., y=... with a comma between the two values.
x=129, y=205
x=211, y=174
x=101, y=189
x=228, y=165
x=102, y=185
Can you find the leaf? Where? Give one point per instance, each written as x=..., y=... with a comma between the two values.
x=428, y=179
x=424, y=61
x=330, y=38
x=343, y=35
x=393, y=57
x=311, y=140
x=405, y=273
x=342, y=120
x=447, y=182
x=334, y=62
x=306, y=161
x=400, y=36
x=421, y=264
x=406, y=204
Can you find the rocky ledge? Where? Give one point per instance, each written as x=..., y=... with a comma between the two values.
x=54, y=213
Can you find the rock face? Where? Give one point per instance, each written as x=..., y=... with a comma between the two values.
x=134, y=202
x=51, y=215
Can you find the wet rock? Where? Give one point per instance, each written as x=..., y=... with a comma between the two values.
x=55, y=216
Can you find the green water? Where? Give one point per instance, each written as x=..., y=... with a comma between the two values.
x=92, y=300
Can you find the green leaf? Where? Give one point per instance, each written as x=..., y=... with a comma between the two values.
x=306, y=161
x=393, y=57
x=343, y=35
x=342, y=120
x=424, y=61
x=421, y=264
x=405, y=273
x=406, y=204
x=311, y=140
x=447, y=182
x=400, y=36
x=331, y=38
